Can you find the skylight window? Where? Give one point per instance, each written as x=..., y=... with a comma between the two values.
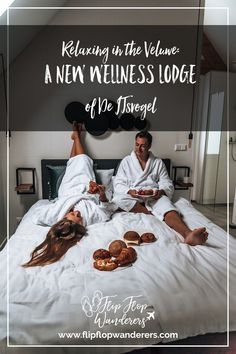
x=4, y=4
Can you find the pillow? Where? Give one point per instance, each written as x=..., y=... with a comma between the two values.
x=56, y=174
x=59, y=181
x=105, y=177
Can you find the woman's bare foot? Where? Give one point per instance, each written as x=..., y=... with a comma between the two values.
x=196, y=237
x=79, y=128
x=74, y=134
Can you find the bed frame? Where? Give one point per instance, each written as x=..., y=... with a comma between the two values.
x=101, y=164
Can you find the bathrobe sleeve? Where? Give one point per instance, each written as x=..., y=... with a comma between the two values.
x=164, y=181
x=108, y=208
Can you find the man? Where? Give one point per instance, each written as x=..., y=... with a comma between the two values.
x=142, y=170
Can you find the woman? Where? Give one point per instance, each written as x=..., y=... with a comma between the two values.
x=76, y=207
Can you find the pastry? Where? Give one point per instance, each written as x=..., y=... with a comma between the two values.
x=148, y=192
x=93, y=187
x=101, y=254
x=116, y=247
x=127, y=256
x=141, y=192
x=148, y=237
x=105, y=264
x=132, y=238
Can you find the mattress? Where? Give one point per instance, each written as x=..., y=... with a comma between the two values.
x=171, y=288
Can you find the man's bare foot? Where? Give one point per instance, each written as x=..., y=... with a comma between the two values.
x=196, y=237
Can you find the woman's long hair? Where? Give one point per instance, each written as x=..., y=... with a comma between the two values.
x=62, y=236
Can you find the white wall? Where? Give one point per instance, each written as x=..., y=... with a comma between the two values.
x=221, y=188
x=218, y=17
x=210, y=181
x=215, y=173
x=28, y=148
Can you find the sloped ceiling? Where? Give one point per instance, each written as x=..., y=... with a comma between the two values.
x=28, y=17
x=57, y=17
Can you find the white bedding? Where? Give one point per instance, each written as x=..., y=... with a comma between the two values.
x=184, y=285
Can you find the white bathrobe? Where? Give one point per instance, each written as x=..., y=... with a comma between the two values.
x=130, y=175
x=73, y=194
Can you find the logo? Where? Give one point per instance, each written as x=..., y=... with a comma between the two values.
x=105, y=310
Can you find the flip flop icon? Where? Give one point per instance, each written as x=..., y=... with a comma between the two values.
x=96, y=301
x=86, y=306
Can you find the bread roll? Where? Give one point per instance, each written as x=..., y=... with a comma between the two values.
x=116, y=247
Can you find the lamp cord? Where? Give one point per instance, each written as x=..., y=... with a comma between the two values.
x=5, y=92
x=4, y=79
x=190, y=137
x=232, y=152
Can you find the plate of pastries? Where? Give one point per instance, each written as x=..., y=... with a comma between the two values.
x=146, y=193
x=121, y=253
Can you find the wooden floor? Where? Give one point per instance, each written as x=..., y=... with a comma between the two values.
x=217, y=214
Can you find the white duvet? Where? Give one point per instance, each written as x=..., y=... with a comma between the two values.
x=185, y=286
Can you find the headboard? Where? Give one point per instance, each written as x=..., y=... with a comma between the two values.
x=101, y=164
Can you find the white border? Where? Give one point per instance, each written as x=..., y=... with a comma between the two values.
x=8, y=200
x=227, y=174
x=118, y=8
x=8, y=179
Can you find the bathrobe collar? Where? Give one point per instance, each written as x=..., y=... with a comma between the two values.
x=137, y=164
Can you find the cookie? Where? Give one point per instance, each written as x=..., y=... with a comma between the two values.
x=148, y=192
x=105, y=264
x=148, y=237
x=127, y=256
x=101, y=254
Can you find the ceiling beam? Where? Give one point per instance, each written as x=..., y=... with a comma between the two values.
x=210, y=58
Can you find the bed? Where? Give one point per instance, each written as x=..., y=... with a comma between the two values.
x=171, y=288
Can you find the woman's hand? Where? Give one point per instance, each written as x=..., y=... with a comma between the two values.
x=93, y=187
x=101, y=192
x=99, y=189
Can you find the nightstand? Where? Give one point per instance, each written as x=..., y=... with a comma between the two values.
x=25, y=180
x=178, y=174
